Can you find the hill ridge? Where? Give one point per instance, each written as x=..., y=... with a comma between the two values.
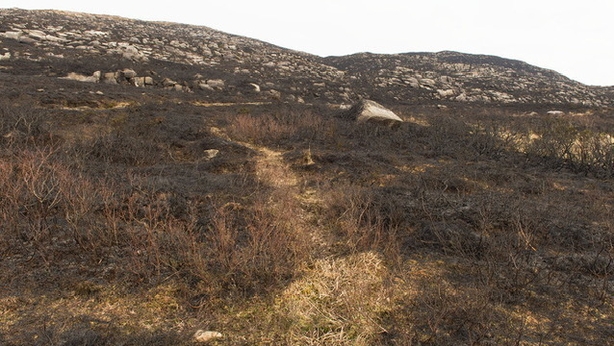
x=167, y=184
x=84, y=43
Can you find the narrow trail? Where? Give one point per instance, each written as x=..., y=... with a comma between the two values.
x=272, y=170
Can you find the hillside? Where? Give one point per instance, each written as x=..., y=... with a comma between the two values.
x=167, y=184
x=452, y=76
x=52, y=43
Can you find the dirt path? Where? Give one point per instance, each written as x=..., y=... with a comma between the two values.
x=272, y=170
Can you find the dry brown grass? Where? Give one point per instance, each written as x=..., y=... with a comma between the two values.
x=340, y=301
x=489, y=228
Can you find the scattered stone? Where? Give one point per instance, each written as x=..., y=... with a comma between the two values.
x=461, y=98
x=211, y=153
x=138, y=81
x=206, y=336
x=15, y=35
x=110, y=77
x=445, y=93
x=128, y=73
x=254, y=87
x=26, y=39
x=428, y=82
x=131, y=52
x=274, y=94
x=168, y=83
x=412, y=82
x=412, y=78
x=37, y=34
x=82, y=78
x=216, y=83
x=205, y=86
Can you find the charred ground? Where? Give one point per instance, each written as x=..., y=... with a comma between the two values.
x=138, y=215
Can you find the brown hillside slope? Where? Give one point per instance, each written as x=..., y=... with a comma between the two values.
x=138, y=215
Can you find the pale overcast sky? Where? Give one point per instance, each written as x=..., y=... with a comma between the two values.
x=575, y=38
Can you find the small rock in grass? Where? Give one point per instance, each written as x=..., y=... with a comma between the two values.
x=206, y=336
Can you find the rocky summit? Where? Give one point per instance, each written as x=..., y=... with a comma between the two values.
x=187, y=58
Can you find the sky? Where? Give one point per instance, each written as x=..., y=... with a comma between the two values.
x=575, y=38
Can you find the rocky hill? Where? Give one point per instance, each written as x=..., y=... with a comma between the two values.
x=166, y=184
x=452, y=76
x=108, y=49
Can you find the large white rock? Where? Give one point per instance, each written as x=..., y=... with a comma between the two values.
x=371, y=111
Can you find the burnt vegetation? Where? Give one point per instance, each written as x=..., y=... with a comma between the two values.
x=138, y=216
x=489, y=226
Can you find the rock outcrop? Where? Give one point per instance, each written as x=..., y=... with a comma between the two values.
x=125, y=76
x=457, y=77
x=200, y=59
x=371, y=111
